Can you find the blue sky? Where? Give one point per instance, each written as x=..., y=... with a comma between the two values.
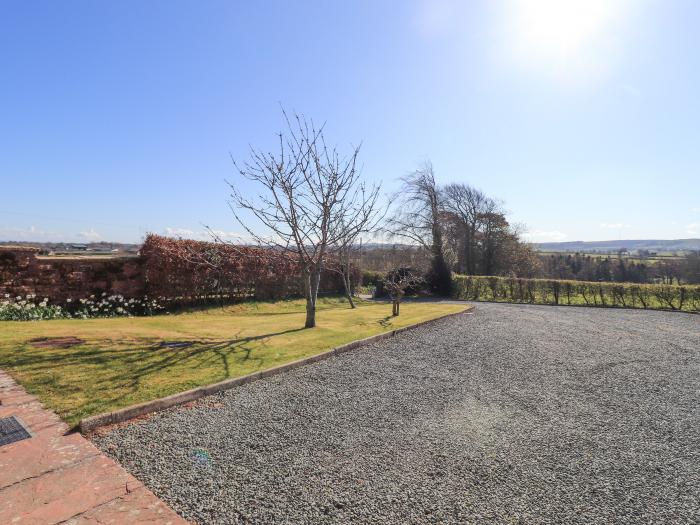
x=117, y=118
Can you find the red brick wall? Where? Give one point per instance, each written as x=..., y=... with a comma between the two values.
x=22, y=272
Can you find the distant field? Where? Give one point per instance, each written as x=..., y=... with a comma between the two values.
x=633, y=245
x=668, y=256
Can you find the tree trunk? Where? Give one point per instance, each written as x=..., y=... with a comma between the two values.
x=311, y=283
x=467, y=252
x=471, y=265
x=348, y=289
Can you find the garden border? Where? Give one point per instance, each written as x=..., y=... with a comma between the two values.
x=92, y=423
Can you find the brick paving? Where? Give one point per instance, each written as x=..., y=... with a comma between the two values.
x=60, y=477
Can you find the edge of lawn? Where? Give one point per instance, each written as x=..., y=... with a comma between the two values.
x=121, y=415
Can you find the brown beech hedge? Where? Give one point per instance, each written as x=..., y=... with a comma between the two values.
x=196, y=271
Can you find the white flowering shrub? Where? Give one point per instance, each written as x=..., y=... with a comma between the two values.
x=30, y=308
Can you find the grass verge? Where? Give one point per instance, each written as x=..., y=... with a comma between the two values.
x=123, y=361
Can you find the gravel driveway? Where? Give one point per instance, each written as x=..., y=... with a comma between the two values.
x=513, y=414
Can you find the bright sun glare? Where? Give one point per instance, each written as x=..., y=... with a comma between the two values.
x=561, y=34
x=562, y=26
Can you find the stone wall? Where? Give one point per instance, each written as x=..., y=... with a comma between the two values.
x=23, y=271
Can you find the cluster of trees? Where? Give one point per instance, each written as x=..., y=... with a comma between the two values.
x=682, y=270
x=462, y=229
x=584, y=267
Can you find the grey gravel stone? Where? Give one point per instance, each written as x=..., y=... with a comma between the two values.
x=514, y=414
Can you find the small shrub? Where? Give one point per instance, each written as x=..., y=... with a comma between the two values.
x=399, y=274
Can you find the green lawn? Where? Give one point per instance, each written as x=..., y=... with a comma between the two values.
x=124, y=361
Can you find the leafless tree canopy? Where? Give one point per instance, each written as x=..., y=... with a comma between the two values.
x=461, y=227
x=471, y=212
x=311, y=200
x=418, y=219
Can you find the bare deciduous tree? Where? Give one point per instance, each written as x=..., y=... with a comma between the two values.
x=343, y=254
x=348, y=242
x=311, y=201
x=468, y=205
x=418, y=218
x=396, y=283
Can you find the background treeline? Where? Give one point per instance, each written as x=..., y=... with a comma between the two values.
x=585, y=267
x=459, y=229
x=566, y=292
x=463, y=243
x=573, y=266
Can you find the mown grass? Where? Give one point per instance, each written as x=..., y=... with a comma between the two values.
x=124, y=361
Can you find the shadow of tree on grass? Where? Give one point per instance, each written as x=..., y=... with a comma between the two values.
x=103, y=374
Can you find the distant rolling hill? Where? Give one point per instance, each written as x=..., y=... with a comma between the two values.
x=656, y=245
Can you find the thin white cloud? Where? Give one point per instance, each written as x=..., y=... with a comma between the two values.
x=544, y=236
x=696, y=209
x=180, y=232
x=90, y=235
x=205, y=235
x=231, y=236
x=25, y=234
x=693, y=228
x=614, y=226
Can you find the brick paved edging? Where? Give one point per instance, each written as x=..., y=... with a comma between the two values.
x=61, y=477
x=109, y=418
